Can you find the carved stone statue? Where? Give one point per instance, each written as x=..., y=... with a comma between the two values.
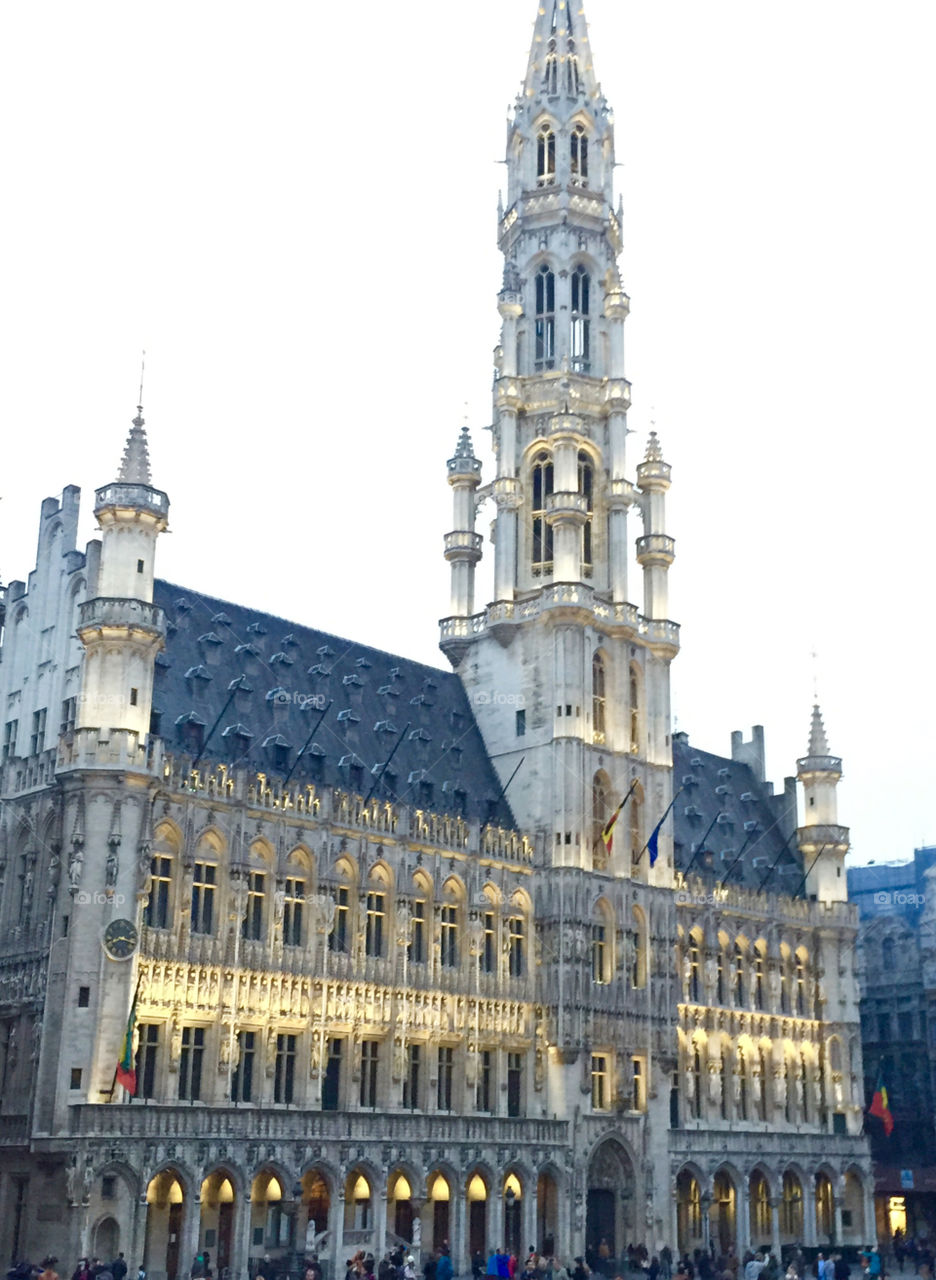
x=110, y=868
x=75, y=867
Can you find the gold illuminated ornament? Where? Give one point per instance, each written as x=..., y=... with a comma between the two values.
x=120, y=939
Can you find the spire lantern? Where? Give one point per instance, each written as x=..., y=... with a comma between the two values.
x=822, y=841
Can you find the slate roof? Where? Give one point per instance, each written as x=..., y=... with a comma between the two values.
x=254, y=687
x=726, y=808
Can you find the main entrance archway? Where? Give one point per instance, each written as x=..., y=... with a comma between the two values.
x=609, y=1215
x=164, y=1208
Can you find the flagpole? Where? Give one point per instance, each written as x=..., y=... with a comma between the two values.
x=776, y=862
x=724, y=878
x=701, y=848
x=802, y=884
x=659, y=824
x=612, y=821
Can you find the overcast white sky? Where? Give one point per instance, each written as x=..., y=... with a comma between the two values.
x=292, y=208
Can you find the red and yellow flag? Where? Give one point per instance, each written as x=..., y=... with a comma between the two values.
x=126, y=1067
x=879, y=1107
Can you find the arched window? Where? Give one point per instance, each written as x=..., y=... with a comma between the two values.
x=551, y=73
x=542, y=486
x=791, y=1209
x=801, y=984
x=598, y=700
x=695, y=1098
x=602, y=938
x=638, y=949
x=695, y=966
x=784, y=985
x=742, y=1086
x=804, y=1087
x=634, y=694
x=739, y=975
x=581, y=322
x=579, y=156
x=586, y=484
x=516, y=943
x=545, y=156
x=765, y=1084
x=545, y=318
x=573, y=77
x=601, y=812
x=758, y=979
x=725, y=1077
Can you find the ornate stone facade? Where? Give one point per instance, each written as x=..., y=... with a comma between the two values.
x=393, y=975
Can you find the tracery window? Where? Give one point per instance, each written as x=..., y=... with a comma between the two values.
x=515, y=947
x=374, y=925
x=579, y=156
x=252, y=923
x=739, y=975
x=295, y=892
x=694, y=972
x=448, y=937
x=581, y=320
x=634, y=695
x=725, y=1078
x=599, y=953
x=586, y=484
x=545, y=157
x=800, y=986
x=765, y=1085
x=545, y=319
x=695, y=1092
x=157, y=906
x=542, y=531
x=573, y=76
x=758, y=980
x=743, y=1086
x=598, y=699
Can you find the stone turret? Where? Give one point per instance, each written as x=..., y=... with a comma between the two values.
x=822, y=841
x=120, y=628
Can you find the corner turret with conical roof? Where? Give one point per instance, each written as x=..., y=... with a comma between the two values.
x=120, y=628
x=822, y=841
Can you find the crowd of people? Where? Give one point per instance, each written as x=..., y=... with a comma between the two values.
x=596, y=1264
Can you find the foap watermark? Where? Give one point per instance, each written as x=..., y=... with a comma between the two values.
x=304, y=701
x=714, y=899
x=498, y=698
x=84, y=898
x=900, y=899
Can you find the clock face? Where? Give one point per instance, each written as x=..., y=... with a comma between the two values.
x=120, y=939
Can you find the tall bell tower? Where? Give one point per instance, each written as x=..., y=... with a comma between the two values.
x=566, y=673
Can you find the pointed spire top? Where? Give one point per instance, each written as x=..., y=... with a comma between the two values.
x=818, y=742
x=464, y=448
x=135, y=464
x=654, y=449
x=560, y=58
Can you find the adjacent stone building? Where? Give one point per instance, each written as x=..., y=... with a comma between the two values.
x=389, y=980
x=897, y=978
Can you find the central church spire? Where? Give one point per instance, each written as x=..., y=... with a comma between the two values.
x=565, y=671
x=560, y=57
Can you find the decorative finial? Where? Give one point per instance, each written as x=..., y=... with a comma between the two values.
x=142, y=371
x=135, y=464
x=654, y=449
x=818, y=742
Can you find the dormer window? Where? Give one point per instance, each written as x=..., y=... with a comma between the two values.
x=581, y=320
x=545, y=157
x=545, y=319
x=579, y=156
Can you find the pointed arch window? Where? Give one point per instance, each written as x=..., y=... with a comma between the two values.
x=765, y=1085
x=634, y=694
x=581, y=320
x=598, y=700
x=742, y=1086
x=573, y=76
x=586, y=484
x=725, y=1076
x=695, y=968
x=579, y=156
x=739, y=975
x=545, y=154
x=804, y=1087
x=542, y=487
x=800, y=986
x=545, y=318
x=599, y=952
x=695, y=1099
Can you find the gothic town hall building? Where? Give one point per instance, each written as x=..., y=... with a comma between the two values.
x=380, y=994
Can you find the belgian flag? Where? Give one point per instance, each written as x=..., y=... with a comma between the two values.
x=879, y=1107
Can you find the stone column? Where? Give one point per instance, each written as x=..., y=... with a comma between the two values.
x=137, y=1241
x=190, y=1233
x=839, y=1193
x=380, y=1223
x=809, y=1213
x=336, y=1223
x=240, y=1251
x=528, y=1217
x=775, y=1225
x=743, y=1219
x=706, y=1201
x=458, y=1242
x=495, y=1219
